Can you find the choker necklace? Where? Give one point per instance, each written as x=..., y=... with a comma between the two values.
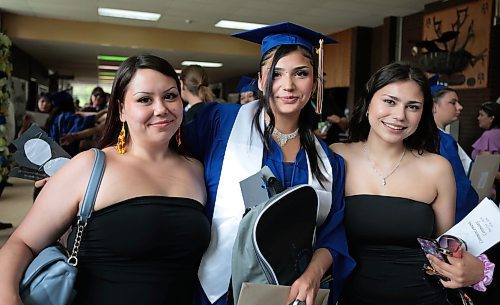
x=282, y=138
x=384, y=178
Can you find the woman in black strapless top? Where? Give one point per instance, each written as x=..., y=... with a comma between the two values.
x=397, y=189
x=144, y=250
x=147, y=234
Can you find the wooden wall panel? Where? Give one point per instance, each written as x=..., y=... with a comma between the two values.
x=471, y=99
x=337, y=60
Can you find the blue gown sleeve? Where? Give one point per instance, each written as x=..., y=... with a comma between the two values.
x=331, y=234
x=467, y=198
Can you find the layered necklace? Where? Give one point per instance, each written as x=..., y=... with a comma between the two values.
x=282, y=138
x=394, y=168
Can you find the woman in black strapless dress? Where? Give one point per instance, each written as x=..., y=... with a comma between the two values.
x=397, y=189
x=145, y=239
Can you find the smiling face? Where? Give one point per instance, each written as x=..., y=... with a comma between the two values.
x=152, y=107
x=292, y=84
x=447, y=109
x=395, y=111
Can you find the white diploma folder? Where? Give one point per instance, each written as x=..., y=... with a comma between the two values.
x=259, y=294
x=480, y=229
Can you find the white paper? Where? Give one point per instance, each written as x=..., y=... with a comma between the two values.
x=480, y=229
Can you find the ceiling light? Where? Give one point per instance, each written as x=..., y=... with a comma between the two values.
x=228, y=24
x=107, y=74
x=106, y=77
x=104, y=67
x=111, y=58
x=178, y=71
x=202, y=63
x=111, y=12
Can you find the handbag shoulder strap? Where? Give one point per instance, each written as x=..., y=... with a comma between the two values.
x=88, y=202
x=93, y=186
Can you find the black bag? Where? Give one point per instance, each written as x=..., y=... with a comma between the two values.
x=50, y=278
x=274, y=244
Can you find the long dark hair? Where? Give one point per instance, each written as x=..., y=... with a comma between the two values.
x=306, y=114
x=123, y=77
x=426, y=137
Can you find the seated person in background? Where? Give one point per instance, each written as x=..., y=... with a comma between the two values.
x=64, y=120
x=248, y=90
x=98, y=101
x=446, y=110
x=44, y=105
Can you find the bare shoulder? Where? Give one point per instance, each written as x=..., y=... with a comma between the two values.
x=340, y=148
x=346, y=150
x=432, y=163
x=78, y=165
x=195, y=165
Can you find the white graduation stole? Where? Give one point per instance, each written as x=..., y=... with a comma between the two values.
x=242, y=158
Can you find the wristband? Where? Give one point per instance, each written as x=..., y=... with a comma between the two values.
x=489, y=267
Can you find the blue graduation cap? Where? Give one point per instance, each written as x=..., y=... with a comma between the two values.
x=435, y=84
x=246, y=84
x=284, y=33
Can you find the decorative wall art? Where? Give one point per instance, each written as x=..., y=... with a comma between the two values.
x=456, y=44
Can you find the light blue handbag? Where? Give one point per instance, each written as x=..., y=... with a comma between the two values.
x=50, y=278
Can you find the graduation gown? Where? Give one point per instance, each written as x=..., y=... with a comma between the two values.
x=467, y=198
x=206, y=138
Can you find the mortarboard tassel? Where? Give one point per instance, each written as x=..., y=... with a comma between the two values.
x=319, y=94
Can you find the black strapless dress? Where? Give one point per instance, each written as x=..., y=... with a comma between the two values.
x=382, y=233
x=144, y=250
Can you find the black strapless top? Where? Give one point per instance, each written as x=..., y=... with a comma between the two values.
x=143, y=250
x=382, y=233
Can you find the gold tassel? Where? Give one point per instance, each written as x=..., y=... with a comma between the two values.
x=319, y=94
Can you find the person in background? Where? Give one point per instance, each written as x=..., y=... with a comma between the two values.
x=248, y=90
x=489, y=143
x=44, y=105
x=235, y=141
x=332, y=122
x=446, y=110
x=195, y=90
x=489, y=120
x=63, y=120
x=148, y=182
x=98, y=101
x=407, y=191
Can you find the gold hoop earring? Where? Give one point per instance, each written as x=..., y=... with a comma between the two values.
x=120, y=144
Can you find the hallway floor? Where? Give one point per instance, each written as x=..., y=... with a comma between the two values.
x=15, y=202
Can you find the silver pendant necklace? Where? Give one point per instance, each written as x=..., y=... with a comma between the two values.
x=384, y=178
x=282, y=138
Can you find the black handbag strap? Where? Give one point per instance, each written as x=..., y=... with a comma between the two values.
x=93, y=186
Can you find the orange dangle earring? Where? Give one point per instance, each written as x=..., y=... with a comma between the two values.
x=120, y=145
x=178, y=137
